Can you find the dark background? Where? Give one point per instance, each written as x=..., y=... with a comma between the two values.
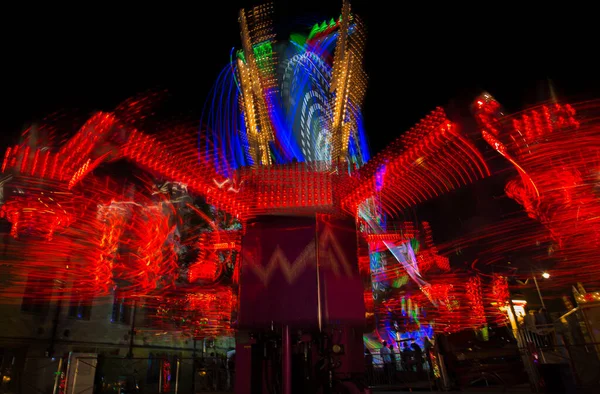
x=419, y=55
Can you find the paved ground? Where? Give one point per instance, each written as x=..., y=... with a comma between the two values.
x=520, y=390
x=469, y=392
x=451, y=392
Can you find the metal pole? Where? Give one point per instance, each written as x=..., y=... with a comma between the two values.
x=522, y=346
x=132, y=333
x=160, y=373
x=539, y=292
x=443, y=371
x=58, y=373
x=194, y=372
x=51, y=347
x=177, y=376
x=319, y=301
x=515, y=318
x=286, y=348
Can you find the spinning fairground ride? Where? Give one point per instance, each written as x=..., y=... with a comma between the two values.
x=275, y=223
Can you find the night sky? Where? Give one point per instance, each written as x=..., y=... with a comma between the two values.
x=418, y=56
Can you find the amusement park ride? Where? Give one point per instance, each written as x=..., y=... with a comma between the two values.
x=299, y=237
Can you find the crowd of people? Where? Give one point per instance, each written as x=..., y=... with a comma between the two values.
x=408, y=357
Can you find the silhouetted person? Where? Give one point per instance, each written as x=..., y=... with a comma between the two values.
x=369, y=364
x=428, y=345
x=542, y=322
x=529, y=320
x=407, y=357
x=212, y=367
x=393, y=357
x=230, y=368
x=418, y=355
x=542, y=318
x=386, y=358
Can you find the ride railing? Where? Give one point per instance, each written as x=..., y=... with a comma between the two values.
x=558, y=359
x=403, y=371
x=538, y=336
x=150, y=375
